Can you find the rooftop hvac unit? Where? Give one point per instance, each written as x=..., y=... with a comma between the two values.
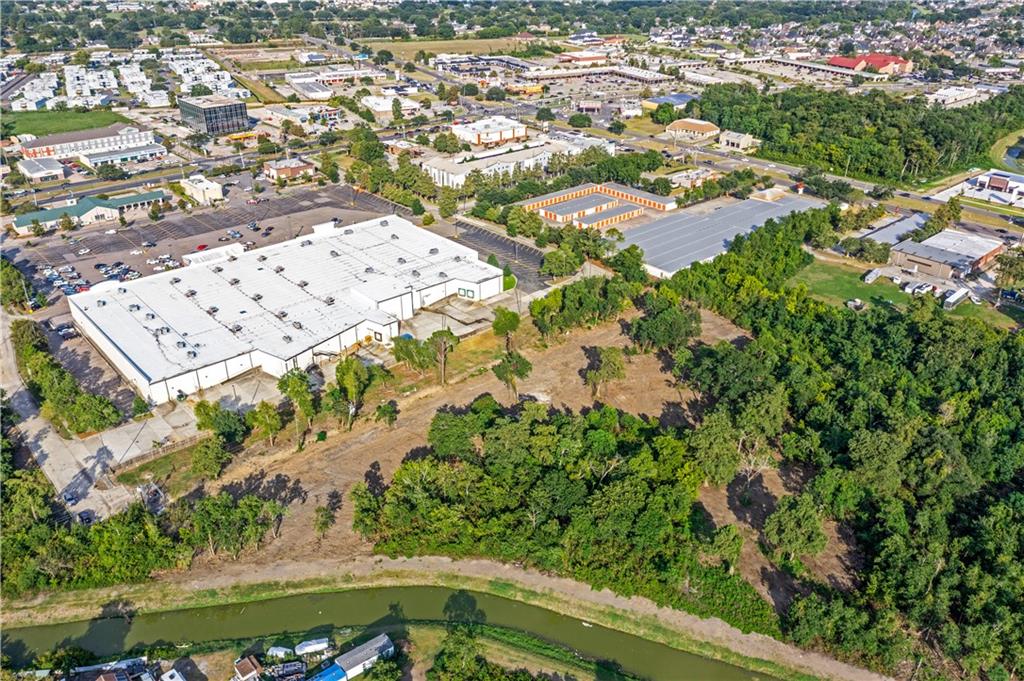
x=218, y=268
x=297, y=325
x=150, y=316
x=212, y=309
x=443, y=275
x=282, y=314
x=303, y=284
x=279, y=269
x=383, y=223
x=415, y=273
x=394, y=237
x=175, y=280
x=122, y=289
x=100, y=302
x=192, y=354
x=134, y=307
x=306, y=242
x=369, y=270
x=257, y=296
x=335, y=254
x=261, y=258
x=401, y=261
x=286, y=338
x=329, y=300
x=235, y=328
x=457, y=258
x=233, y=282
x=232, y=258
x=434, y=251
x=349, y=231
x=182, y=344
x=190, y=293
x=164, y=329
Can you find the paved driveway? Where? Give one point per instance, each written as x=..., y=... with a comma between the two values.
x=525, y=261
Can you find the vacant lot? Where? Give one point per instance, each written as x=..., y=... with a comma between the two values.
x=837, y=283
x=407, y=50
x=40, y=123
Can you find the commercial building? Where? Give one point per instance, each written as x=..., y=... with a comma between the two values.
x=678, y=100
x=146, y=152
x=585, y=57
x=490, y=132
x=630, y=72
x=358, y=660
x=288, y=168
x=384, y=107
x=87, y=210
x=688, y=236
x=116, y=137
x=692, y=129
x=887, y=64
x=213, y=114
x=737, y=141
x=950, y=254
x=596, y=205
x=41, y=169
x=202, y=190
x=276, y=308
x=956, y=96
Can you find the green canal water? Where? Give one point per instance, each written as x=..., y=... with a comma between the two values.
x=385, y=608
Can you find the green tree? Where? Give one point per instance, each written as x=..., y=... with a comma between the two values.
x=386, y=412
x=296, y=387
x=616, y=127
x=580, y=120
x=714, y=444
x=66, y=224
x=200, y=90
x=512, y=367
x=611, y=366
x=470, y=90
x=794, y=528
x=505, y=324
x=353, y=380
x=265, y=420
x=448, y=203
x=545, y=114
x=210, y=457
x=442, y=343
x=323, y=520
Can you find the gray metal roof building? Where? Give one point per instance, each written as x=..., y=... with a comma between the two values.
x=573, y=206
x=683, y=238
x=893, y=232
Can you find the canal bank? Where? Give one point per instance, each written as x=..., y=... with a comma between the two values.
x=238, y=583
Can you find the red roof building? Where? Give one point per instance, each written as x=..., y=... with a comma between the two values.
x=888, y=64
x=855, y=63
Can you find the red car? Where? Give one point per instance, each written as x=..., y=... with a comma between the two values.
x=201, y=247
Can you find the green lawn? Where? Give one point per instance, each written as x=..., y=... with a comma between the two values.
x=40, y=123
x=994, y=207
x=998, y=151
x=834, y=283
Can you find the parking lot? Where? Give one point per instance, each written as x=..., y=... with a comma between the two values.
x=524, y=261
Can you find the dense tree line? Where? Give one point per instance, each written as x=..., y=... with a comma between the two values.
x=605, y=497
x=912, y=421
x=870, y=135
x=62, y=400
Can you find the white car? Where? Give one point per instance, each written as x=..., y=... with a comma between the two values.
x=152, y=261
x=110, y=231
x=159, y=268
x=84, y=251
x=136, y=252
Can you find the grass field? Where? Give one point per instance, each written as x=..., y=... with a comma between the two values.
x=998, y=150
x=835, y=284
x=272, y=65
x=264, y=93
x=406, y=50
x=994, y=207
x=644, y=125
x=40, y=123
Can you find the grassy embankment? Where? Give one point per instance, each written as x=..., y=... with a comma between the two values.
x=998, y=151
x=407, y=49
x=41, y=123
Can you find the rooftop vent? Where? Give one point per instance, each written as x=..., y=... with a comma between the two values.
x=401, y=261
x=182, y=344
x=383, y=223
x=302, y=284
x=164, y=329
x=369, y=270
x=348, y=231
x=235, y=328
x=261, y=258
x=175, y=280
x=457, y=258
x=257, y=296
x=286, y=338
x=100, y=302
x=122, y=289
x=329, y=300
x=279, y=269
x=443, y=275
x=297, y=325
x=232, y=258
x=434, y=251
x=335, y=254
x=134, y=307
x=415, y=273
x=190, y=293
x=191, y=354
x=282, y=314
x=306, y=242
x=233, y=282
x=212, y=309
x=218, y=268
x=150, y=316
x=394, y=237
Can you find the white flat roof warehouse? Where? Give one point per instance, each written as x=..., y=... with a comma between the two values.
x=277, y=307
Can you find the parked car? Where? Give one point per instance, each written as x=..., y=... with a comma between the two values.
x=84, y=251
x=202, y=247
x=110, y=231
x=148, y=244
x=69, y=498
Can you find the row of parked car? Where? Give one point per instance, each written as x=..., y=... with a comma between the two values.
x=65, y=279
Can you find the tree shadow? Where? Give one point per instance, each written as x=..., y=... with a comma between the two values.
x=593, y=357
x=751, y=502
x=461, y=610
x=280, y=488
x=375, y=480
x=416, y=454
x=187, y=667
x=334, y=501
